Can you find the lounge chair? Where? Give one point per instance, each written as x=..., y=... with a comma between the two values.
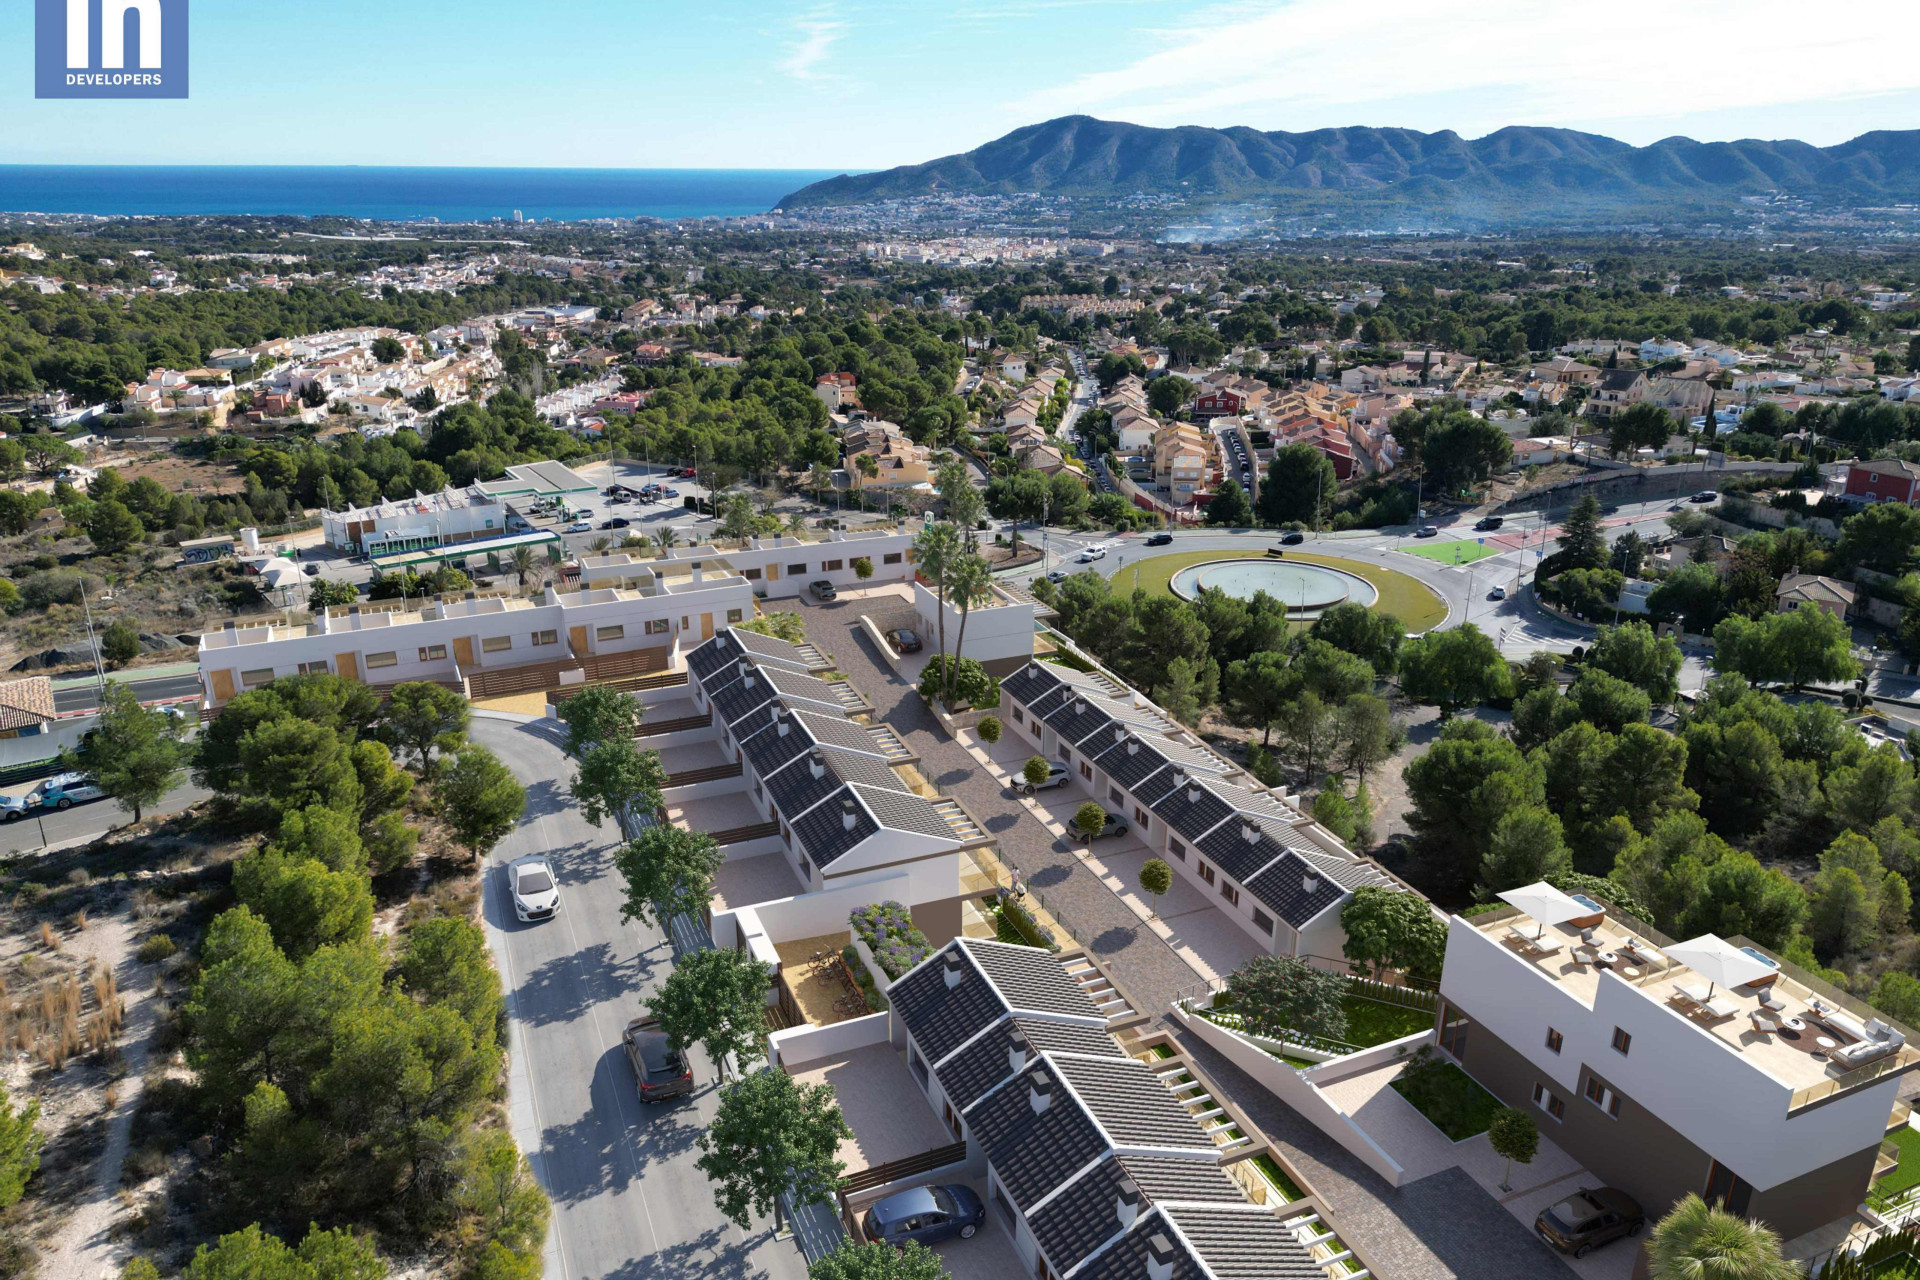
x=1770, y=1001
x=1765, y=1021
x=1645, y=954
x=1716, y=1010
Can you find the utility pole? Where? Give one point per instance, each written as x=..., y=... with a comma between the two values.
x=99, y=668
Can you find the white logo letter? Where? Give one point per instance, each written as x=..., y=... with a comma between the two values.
x=113, y=27
x=77, y=33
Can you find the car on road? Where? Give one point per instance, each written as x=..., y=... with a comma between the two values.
x=1678, y=506
x=1090, y=555
x=925, y=1214
x=1498, y=593
x=1160, y=540
x=1589, y=1218
x=1057, y=776
x=1426, y=531
x=579, y=526
x=1116, y=826
x=1705, y=495
x=1057, y=575
x=669, y=493
x=903, y=640
x=618, y=522
x=1293, y=539
x=1489, y=522
x=660, y=1071
x=823, y=590
x=312, y=570
x=61, y=791
x=535, y=889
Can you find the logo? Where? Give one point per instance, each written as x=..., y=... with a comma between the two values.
x=110, y=48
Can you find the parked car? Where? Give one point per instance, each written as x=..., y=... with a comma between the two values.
x=1057, y=776
x=926, y=1214
x=1426, y=531
x=579, y=526
x=669, y=493
x=659, y=1070
x=1705, y=495
x=1589, y=1218
x=1293, y=539
x=686, y=473
x=1160, y=540
x=1498, y=593
x=1116, y=826
x=1489, y=522
x=535, y=889
x=823, y=590
x=903, y=640
x=61, y=791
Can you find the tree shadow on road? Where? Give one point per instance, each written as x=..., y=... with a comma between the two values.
x=1047, y=877
x=605, y=1149
x=708, y=1256
x=566, y=987
x=546, y=798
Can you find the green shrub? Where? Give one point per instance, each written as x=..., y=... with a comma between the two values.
x=157, y=947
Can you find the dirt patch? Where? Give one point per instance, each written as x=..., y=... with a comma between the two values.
x=179, y=474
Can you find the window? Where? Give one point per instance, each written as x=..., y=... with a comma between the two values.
x=494, y=644
x=735, y=615
x=658, y=626
x=806, y=867
x=1553, y=1040
x=610, y=633
x=1454, y=1026
x=319, y=668
x=1206, y=872
x=1019, y=716
x=1178, y=850
x=1621, y=1042
x=259, y=675
x=1140, y=816
x=1086, y=770
x=1727, y=1189
x=1602, y=1097
x=918, y=1064
x=831, y=566
x=433, y=653
x=387, y=659
x=1230, y=893
x=1066, y=754
x=1113, y=794
x=751, y=575
x=892, y=557
x=1549, y=1102
x=796, y=571
x=1262, y=921
x=546, y=637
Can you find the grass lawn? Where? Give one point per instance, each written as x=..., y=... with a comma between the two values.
x=1403, y=596
x=1908, y=1172
x=1457, y=551
x=1371, y=1022
x=1270, y=1167
x=1449, y=1097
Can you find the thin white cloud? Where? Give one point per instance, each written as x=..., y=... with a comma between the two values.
x=817, y=31
x=1476, y=65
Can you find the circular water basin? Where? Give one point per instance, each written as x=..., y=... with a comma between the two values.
x=1307, y=590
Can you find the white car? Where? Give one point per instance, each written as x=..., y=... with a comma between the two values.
x=535, y=889
x=1090, y=555
x=579, y=526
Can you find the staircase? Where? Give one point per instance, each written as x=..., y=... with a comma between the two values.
x=889, y=743
x=965, y=830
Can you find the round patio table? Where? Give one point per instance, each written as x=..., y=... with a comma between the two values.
x=1825, y=1043
x=1794, y=1024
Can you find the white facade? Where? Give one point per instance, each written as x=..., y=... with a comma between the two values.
x=997, y=630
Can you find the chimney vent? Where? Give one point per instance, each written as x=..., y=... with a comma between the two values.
x=1250, y=831
x=1159, y=1257
x=1079, y=706
x=1127, y=1205
x=954, y=971
x=1133, y=747
x=1041, y=1092
x=1193, y=793
x=1309, y=882
x=817, y=764
x=1016, y=1050
x=847, y=813
x=1119, y=735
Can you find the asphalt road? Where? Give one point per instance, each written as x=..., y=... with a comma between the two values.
x=627, y=1199
x=87, y=821
x=86, y=697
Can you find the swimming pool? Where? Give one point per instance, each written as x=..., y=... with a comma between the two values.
x=1307, y=590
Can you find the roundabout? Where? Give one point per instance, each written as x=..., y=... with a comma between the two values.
x=1417, y=604
x=1307, y=590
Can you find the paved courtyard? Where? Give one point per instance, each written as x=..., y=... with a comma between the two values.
x=764, y=877
x=888, y=1114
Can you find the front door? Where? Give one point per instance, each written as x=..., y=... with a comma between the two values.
x=222, y=685
x=349, y=666
x=577, y=640
x=706, y=626
x=463, y=652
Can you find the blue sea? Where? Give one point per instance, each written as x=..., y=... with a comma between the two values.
x=397, y=194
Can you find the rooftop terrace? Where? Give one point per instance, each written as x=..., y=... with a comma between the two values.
x=1792, y=1026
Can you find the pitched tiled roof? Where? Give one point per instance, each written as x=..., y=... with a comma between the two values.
x=1073, y=715
x=1131, y=763
x=765, y=747
x=942, y=1018
x=822, y=830
x=1034, y=1152
x=24, y=703
x=838, y=731
x=797, y=684
x=1181, y=1178
x=1282, y=887
x=1244, y=1244
x=1192, y=809
x=1230, y=850
x=736, y=701
x=1083, y=1216
x=795, y=790
x=904, y=811
x=1131, y=1103
x=771, y=648
x=984, y=1063
x=712, y=655
x=1031, y=979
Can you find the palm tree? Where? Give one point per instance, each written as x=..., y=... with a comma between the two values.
x=1697, y=1241
x=523, y=563
x=665, y=538
x=865, y=467
x=819, y=479
x=934, y=553
x=967, y=579
x=600, y=545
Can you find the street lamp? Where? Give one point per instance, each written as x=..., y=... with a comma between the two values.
x=99, y=668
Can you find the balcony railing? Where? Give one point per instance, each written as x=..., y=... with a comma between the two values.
x=1899, y=1060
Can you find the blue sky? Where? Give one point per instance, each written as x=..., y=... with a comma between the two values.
x=864, y=84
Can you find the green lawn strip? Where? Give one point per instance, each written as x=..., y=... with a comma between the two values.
x=1457, y=1105
x=1271, y=1170
x=1371, y=1022
x=1908, y=1172
x=1456, y=551
x=1401, y=595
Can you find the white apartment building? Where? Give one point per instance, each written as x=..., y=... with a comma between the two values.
x=779, y=568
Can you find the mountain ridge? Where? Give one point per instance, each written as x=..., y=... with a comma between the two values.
x=1084, y=156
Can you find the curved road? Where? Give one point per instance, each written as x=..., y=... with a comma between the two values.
x=627, y=1200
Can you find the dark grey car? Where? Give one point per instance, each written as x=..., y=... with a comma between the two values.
x=659, y=1070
